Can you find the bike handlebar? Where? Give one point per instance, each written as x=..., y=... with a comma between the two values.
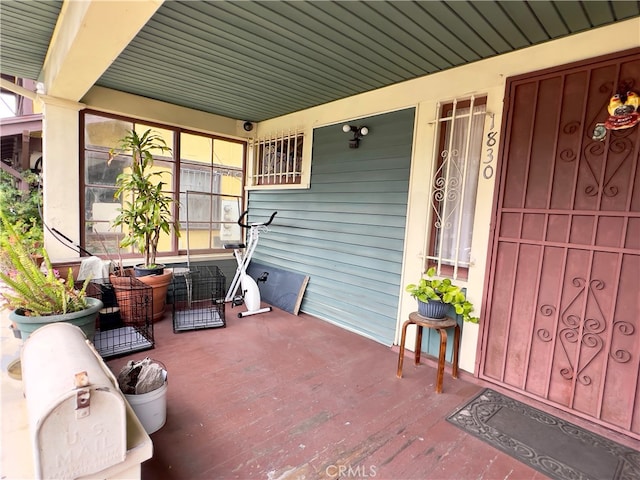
x=263, y=224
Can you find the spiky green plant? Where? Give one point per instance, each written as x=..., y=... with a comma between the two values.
x=431, y=288
x=30, y=290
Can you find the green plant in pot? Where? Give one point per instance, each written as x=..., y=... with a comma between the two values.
x=146, y=211
x=435, y=296
x=20, y=203
x=40, y=297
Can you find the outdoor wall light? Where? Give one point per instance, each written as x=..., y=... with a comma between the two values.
x=358, y=133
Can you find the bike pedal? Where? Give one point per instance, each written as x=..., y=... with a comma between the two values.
x=237, y=301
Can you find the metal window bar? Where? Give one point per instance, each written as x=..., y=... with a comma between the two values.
x=271, y=159
x=447, y=163
x=296, y=161
x=464, y=182
x=286, y=161
x=279, y=166
x=276, y=159
x=446, y=198
x=256, y=155
x=264, y=160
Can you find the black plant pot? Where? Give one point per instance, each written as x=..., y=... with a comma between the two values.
x=109, y=319
x=141, y=271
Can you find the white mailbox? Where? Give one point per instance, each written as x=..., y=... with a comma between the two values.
x=77, y=415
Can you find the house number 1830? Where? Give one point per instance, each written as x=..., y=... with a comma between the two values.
x=487, y=170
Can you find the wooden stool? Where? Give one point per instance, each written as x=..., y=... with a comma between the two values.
x=441, y=326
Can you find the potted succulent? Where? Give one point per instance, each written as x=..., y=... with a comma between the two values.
x=434, y=297
x=146, y=211
x=40, y=297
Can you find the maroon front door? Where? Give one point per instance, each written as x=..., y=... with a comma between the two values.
x=562, y=319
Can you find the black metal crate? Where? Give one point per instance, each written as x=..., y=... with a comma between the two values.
x=125, y=323
x=198, y=299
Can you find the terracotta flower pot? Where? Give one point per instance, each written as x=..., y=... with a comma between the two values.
x=133, y=298
x=160, y=285
x=37, y=259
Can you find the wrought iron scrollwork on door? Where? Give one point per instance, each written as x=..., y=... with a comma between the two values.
x=589, y=334
x=620, y=149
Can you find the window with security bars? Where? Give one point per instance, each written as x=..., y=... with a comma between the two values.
x=277, y=160
x=455, y=184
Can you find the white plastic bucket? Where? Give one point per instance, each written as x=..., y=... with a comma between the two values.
x=150, y=408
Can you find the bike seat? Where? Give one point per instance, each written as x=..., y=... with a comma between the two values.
x=234, y=246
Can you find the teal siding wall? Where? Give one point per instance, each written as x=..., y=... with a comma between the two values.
x=347, y=231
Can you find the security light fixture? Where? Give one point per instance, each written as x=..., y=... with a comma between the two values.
x=358, y=133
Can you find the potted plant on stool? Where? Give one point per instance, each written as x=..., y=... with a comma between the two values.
x=38, y=298
x=146, y=211
x=434, y=297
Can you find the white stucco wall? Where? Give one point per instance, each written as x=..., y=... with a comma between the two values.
x=486, y=77
x=61, y=177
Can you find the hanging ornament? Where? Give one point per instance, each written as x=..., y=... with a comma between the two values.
x=624, y=112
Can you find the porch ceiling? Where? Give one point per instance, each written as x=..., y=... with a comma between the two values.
x=255, y=60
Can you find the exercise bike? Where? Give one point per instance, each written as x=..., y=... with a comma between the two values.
x=249, y=292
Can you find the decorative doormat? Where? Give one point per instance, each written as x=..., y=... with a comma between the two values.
x=546, y=443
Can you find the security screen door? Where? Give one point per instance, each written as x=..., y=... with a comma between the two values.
x=562, y=322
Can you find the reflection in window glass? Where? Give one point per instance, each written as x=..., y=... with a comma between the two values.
x=167, y=135
x=207, y=178
x=208, y=165
x=104, y=132
x=195, y=148
x=230, y=154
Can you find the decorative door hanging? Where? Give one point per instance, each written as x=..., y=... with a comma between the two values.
x=624, y=112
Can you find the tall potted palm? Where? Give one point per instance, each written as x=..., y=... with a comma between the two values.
x=146, y=211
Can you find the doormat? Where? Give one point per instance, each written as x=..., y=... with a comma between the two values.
x=548, y=444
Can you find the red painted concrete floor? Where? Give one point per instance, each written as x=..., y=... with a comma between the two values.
x=277, y=396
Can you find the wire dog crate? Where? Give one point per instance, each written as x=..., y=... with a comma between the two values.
x=198, y=299
x=125, y=324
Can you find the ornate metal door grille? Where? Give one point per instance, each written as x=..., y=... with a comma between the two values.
x=562, y=322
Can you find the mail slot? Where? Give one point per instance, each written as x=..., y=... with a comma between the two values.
x=77, y=415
